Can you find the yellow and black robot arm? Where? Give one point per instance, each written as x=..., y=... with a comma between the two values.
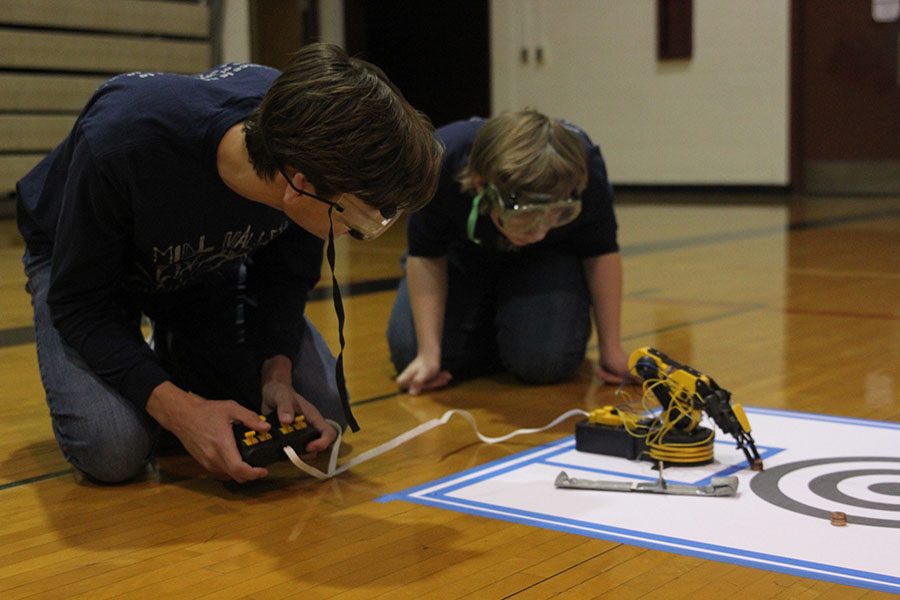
x=732, y=419
x=671, y=381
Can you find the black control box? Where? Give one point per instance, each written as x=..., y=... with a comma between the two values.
x=261, y=449
x=605, y=439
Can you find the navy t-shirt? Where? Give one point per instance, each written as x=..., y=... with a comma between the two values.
x=133, y=212
x=442, y=225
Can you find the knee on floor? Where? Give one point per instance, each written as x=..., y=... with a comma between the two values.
x=110, y=457
x=541, y=367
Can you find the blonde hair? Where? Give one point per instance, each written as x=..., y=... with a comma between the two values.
x=526, y=151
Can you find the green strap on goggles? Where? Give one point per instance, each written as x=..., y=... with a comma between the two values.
x=473, y=217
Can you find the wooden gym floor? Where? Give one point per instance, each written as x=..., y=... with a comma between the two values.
x=788, y=302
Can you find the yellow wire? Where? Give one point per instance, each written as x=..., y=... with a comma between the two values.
x=683, y=404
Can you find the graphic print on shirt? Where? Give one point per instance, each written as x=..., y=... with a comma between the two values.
x=220, y=72
x=174, y=264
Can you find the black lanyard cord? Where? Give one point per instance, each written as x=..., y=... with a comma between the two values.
x=339, y=311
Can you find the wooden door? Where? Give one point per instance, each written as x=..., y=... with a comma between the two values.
x=435, y=52
x=846, y=97
x=279, y=27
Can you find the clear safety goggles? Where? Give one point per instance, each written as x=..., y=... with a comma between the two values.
x=526, y=212
x=365, y=222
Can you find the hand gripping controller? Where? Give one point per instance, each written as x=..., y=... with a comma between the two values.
x=259, y=449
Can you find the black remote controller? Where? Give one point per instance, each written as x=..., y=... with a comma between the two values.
x=260, y=449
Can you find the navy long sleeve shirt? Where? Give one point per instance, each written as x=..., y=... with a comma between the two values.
x=133, y=212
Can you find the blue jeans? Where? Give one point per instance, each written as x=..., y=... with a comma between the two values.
x=528, y=314
x=109, y=438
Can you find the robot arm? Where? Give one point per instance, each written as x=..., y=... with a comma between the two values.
x=673, y=382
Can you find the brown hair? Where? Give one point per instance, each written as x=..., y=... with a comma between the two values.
x=526, y=151
x=347, y=128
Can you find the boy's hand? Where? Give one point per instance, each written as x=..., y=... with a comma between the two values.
x=205, y=428
x=613, y=367
x=282, y=398
x=422, y=375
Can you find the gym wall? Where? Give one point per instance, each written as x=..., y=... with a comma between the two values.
x=54, y=54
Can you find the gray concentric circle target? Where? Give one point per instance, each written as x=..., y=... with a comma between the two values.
x=765, y=485
x=889, y=489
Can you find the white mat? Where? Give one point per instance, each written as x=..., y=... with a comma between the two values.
x=815, y=464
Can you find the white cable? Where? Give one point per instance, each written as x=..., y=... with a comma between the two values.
x=333, y=470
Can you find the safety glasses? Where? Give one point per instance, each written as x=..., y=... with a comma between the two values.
x=523, y=213
x=364, y=222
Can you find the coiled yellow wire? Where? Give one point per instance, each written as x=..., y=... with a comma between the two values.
x=656, y=426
